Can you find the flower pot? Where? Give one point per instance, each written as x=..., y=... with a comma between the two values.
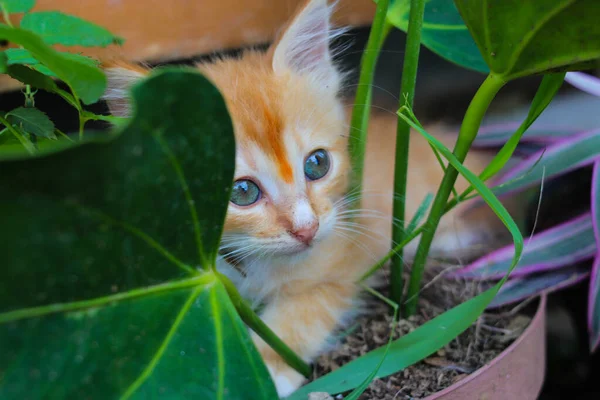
x=517, y=373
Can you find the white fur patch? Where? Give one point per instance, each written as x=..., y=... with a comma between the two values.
x=303, y=214
x=284, y=386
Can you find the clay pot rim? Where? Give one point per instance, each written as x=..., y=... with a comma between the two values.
x=535, y=321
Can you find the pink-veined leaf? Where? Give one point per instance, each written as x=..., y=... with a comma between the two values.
x=557, y=159
x=519, y=289
x=585, y=82
x=594, y=295
x=560, y=246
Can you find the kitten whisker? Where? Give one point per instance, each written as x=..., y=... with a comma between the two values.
x=357, y=243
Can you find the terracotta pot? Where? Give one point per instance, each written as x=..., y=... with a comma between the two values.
x=516, y=374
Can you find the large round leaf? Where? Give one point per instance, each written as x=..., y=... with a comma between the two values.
x=105, y=288
x=519, y=38
x=443, y=32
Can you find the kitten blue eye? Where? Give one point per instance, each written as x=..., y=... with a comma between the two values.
x=317, y=165
x=245, y=192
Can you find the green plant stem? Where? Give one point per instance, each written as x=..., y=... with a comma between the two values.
x=257, y=325
x=407, y=93
x=82, y=122
x=6, y=16
x=468, y=131
x=362, y=101
x=28, y=146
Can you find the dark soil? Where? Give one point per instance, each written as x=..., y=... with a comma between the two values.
x=482, y=342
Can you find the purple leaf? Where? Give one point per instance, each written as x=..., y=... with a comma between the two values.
x=557, y=159
x=519, y=289
x=594, y=294
x=594, y=306
x=562, y=245
x=588, y=83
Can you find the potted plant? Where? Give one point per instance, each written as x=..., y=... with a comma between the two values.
x=93, y=278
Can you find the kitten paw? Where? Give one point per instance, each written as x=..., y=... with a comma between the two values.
x=286, y=379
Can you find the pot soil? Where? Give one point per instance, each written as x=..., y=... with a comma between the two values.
x=501, y=356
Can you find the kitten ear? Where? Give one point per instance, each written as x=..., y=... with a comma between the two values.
x=120, y=77
x=304, y=46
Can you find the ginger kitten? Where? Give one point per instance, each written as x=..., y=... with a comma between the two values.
x=290, y=240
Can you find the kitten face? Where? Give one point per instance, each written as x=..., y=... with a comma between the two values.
x=292, y=163
x=291, y=159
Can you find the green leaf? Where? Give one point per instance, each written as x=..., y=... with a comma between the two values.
x=86, y=81
x=105, y=286
x=20, y=56
x=17, y=6
x=31, y=77
x=544, y=95
x=421, y=211
x=58, y=28
x=32, y=121
x=519, y=38
x=403, y=352
x=443, y=32
x=3, y=62
x=18, y=136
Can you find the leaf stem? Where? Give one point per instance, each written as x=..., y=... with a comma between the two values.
x=82, y=122
x=468, y=131
x=407, y=94
x=362, y=100
x=257, y=325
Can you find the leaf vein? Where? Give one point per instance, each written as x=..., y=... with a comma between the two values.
x=163, y=347
x=186, y=190
x=214, y=304
x=10, y=316
x=140, y=234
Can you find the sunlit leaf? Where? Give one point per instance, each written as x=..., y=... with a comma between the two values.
x=106, y=248
x=22, y=56
x=31, y=77
x=17, y=6
x=86, y=81
x=58, y=28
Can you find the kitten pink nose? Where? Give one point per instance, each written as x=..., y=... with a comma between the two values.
x=307, y=233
